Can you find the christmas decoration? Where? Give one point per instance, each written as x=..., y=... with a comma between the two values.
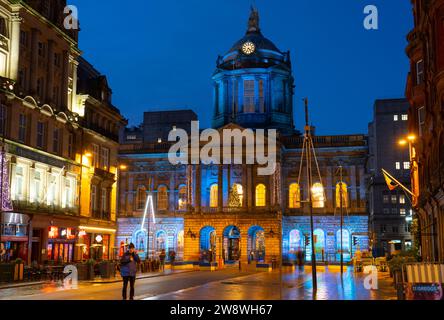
x=234, y=201
x=4, y=182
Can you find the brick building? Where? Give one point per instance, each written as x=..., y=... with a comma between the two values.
x=425, y=92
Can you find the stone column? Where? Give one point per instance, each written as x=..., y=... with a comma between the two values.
x=250, y=189
x=172, y=202
x=14, y=51
x=198, y=188
x=220, y=194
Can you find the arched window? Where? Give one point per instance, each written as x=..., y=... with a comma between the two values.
x=345, y=240
x=161, y=241
x=344, y=195
x=261, y=191
x=214, y=196
x=318, y=195
x=182, y=202
x=295, y=240
x=294, y=196
x=162, y=198
x=237, y=195
x=141, y=197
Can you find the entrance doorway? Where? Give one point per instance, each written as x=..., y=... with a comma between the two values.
x=208, y=240
x=256, y=244
x=232, y=243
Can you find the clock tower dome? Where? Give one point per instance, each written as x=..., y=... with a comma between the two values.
x=253, y=84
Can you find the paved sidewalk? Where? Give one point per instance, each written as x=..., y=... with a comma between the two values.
x=139, y=276
x=96, y=281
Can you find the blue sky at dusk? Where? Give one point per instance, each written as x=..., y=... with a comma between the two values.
x=160, y=55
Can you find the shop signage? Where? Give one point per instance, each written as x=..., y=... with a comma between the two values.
x=424, y=291
x=61, y=233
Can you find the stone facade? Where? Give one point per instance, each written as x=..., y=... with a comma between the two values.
x=251, y=223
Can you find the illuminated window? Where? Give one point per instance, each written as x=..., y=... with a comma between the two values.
x=182, y=198
x=238, y=190
x=295, y=240
x=344, y=195
x=249, y=95
x=141, y=197
x=405, y=117
x=68, y=198
x=261, y=191
x=398, y=165
x=19, y=183
x=93, y=201
x=95, y=154
x=162, y=198
x=104, y=158
x=394, y=199
x=38, y=186
x=395, y=117
x=406, y=165
x=402, y=199
x=294, y=195
x=402, y=212
x=214, y=196
x=318, y=195
x=53, y=185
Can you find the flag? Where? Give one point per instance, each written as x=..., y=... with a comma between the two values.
x=392, y=185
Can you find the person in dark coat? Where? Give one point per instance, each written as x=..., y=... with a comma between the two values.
x=162, y=257
x=128, y=270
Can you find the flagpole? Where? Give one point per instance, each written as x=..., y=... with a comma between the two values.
x=399, y=183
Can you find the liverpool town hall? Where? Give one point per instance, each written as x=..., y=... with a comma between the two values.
x=224, y=213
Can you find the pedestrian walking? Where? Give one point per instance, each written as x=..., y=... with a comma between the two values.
x=172, y=258
x=128, y=270
x=162, y=257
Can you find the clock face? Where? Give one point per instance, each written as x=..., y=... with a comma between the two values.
x=248, y=47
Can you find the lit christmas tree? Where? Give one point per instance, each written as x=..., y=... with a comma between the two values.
x=235, y=201
x=4, y=181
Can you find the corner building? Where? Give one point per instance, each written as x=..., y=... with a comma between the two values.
x=229, y=213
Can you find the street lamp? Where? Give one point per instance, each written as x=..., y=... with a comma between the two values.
x=410, y=140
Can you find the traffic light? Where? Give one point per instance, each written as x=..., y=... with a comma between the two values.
x=355, y=241
x=307, y=241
